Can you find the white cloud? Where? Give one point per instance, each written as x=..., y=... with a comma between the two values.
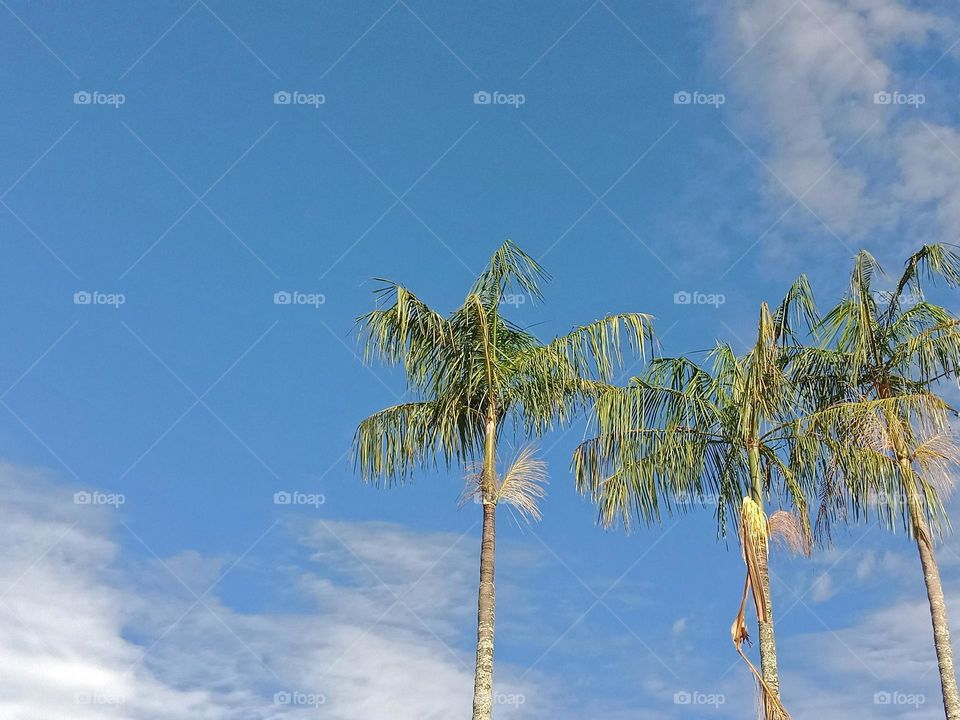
x=837, y=673
x=822, y=589
x=84, y=629
x=805, y=75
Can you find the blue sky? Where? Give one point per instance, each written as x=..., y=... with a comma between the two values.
x=182, y=198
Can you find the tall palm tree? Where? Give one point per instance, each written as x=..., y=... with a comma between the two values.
x=682, y=431
x=473, y=373
x=892, y=447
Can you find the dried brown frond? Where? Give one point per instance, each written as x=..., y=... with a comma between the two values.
x=788, y=529
x=754, y=537
x=521, y=486
x=938, y=458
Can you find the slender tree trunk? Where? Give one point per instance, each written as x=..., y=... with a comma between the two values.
x=768, y=642
x=483, y=680
x=931, y=573
x=938, y=606
x=483, y=677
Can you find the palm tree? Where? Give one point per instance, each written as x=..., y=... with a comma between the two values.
x=682, y=431
x=473, y=373
x=891, y=446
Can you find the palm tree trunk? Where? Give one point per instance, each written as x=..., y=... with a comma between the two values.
x=483, y=676
x=938, y=614
x=768, y=642
x=483, y=679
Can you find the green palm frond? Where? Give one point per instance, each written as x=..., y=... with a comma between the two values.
x=391, y=443
x=510, y=269
x=405, y=331
x=798, y=305
x=929, y=263
x=596, y=349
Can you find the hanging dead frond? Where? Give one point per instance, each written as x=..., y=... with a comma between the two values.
x=753, y=542
x=755, y=534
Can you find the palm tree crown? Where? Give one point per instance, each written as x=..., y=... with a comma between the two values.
x=475, y=366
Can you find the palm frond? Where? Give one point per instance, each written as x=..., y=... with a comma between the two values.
x=596, y=349
x=510, y=269
x=391, y=443
x=521, y=486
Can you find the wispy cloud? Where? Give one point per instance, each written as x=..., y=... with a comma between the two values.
x=843, y=103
